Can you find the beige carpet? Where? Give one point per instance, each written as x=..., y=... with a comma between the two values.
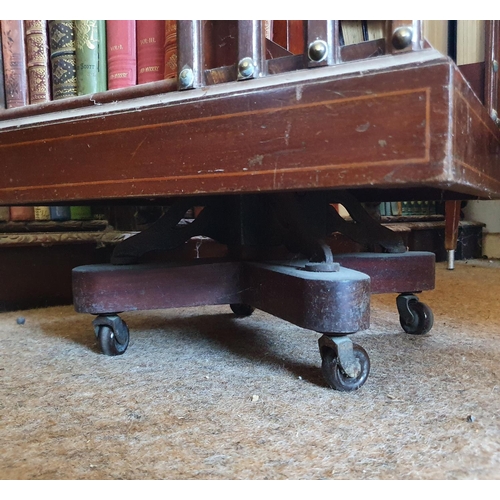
x=202, y=395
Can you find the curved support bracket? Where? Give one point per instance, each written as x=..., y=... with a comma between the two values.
x=167, y=234
x=364, y=229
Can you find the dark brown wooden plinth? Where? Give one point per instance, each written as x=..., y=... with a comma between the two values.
x=327, y=302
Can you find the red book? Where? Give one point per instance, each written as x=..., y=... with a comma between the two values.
x=150, y=51
x=122, y=54
x=14, y=60
x=22, y=213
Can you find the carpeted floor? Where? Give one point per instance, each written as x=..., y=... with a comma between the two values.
x=200, y=394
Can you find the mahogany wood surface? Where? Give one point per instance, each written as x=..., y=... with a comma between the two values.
x=305, y=298
x=368, y=124
x=336, y=302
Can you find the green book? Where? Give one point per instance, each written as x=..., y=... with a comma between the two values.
x=80, y=213
x=91, y=67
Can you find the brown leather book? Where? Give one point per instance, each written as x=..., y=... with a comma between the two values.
x=170, y=49
x=38, y=61
x=14, y=60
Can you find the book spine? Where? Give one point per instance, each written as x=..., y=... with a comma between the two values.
x=89, y=42
x=4, y=214
x=42, y=213
x=80, y=213
x=14, y=60
x=60, y=213
x=122, y=54
x=102, y=74
x=22, y=213
x=62, y=58
x=2, y=82
x=170, y=49
x=150, y=51
x=38, y=61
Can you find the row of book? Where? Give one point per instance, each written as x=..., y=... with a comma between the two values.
x=41, y=213
x=408, y=208
x=44, y=60
x=49, y=60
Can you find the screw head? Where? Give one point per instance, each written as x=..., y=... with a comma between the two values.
x=317, y=51
x=246, y=67
x=401, y=38
x=186, y=77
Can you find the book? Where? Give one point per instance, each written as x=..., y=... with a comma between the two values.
x=42, y=213
x=80, y=212
x=436, y=33
x=90, y=56
x=60, y=213
x=375, y=30
x=352, y=32
x=14, y=61
x=170, y=49
x=4, y=214
x=470, y=41
x=62, y=58
x=150, y=51
x=22, y=213
x=2, y=86
x=121, y=54
x=38, y=61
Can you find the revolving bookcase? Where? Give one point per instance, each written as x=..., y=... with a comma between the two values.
x=266, y=143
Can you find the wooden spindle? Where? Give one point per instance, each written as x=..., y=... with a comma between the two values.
x=452, y=220
x=190, y=54
x=251, y=50
x=403, y=36
x=322, y=45
x=290, y=35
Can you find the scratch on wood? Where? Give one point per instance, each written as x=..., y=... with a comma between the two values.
x=138, y=147
x=298, y=92
x=287, y=132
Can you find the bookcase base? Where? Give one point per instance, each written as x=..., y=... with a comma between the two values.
x=335, y=303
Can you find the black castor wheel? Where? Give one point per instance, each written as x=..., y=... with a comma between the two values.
x=112, y=334
x=336, y=376
x=241, y=310
x=415, y=317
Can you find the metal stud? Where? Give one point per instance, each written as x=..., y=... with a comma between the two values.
x=401, y=38
x=317, y=51
x=246, y=68
x=186, y=78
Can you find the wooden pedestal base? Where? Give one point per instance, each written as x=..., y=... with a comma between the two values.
x=334, y=303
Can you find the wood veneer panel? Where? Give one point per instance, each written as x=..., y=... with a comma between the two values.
x=364, y=125
x=476, y=145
